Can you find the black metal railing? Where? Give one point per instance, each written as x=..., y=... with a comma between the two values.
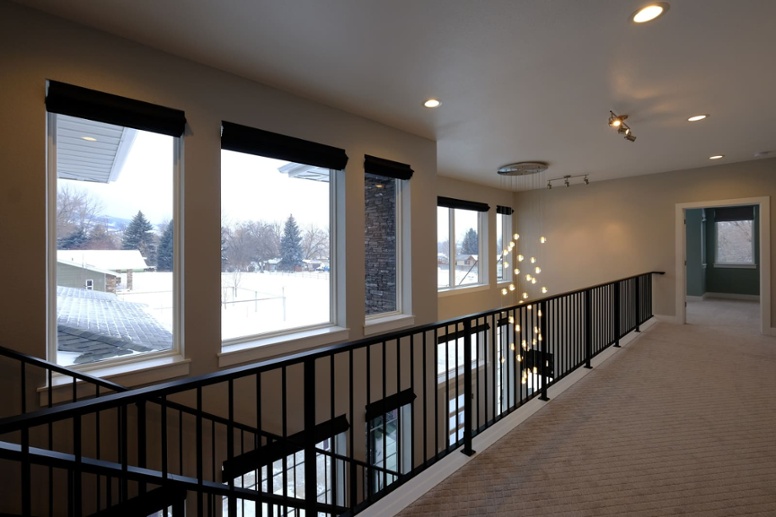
x=328, y=431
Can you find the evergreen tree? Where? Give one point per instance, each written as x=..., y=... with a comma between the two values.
x=75, y=241
x=164, y=256
x=470, y=244
x=139, y=236
x=291, y=254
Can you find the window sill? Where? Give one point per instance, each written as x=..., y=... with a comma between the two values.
x=735, y=266
x=265, y=348
x=127, y=374
x=461, y=290
x=388, y=323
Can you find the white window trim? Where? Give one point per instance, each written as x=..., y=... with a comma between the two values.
x=484, y=256
x=137, y=370
x=280, y=344
x=256, y=347
x=734, y=265
x=388, y=322
x=128, y=374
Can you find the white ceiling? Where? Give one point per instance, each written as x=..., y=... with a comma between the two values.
x=518, y=79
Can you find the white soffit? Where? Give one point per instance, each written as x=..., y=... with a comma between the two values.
x=100, y=160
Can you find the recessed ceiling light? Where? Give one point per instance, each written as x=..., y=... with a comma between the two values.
x=696, y=118
x=649, y=12
x=89, y=138
x=716, y=157
x=432, y=103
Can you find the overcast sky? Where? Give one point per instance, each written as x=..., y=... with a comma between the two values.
x=252, y=188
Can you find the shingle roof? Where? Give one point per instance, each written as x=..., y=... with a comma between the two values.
x=98, y=326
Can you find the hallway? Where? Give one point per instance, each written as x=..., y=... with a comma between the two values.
x=680, y=421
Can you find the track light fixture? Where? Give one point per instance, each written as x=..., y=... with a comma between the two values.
x=618, y=122
x=567, y=180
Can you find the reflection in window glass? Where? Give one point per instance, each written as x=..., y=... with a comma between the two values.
x=114, y=231
x=275, y=246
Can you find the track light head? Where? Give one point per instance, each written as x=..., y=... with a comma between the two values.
x=630, y=137
x=587, y=181
x=549, y=185
x=616, y=120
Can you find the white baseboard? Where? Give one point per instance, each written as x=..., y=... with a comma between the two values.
x=665, y=318
x=415, y=489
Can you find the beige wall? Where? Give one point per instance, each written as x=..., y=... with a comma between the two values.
x=36, y=47
x=613, y=229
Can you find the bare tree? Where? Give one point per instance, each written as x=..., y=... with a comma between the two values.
x=77, y=211
x=315, y=242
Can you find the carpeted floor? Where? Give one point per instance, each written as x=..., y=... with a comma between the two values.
x=681, y=421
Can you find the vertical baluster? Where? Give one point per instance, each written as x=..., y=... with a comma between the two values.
x=588, y=327
x=413, y=420
x=351, y=441
x=468, y=393
x=638, y=306
x=141, y=440
x=425, y=393
x=77, y=474
x=200, y=463
x=544, y=354
x=310, y=472
x=231, y=499
x=399, y=419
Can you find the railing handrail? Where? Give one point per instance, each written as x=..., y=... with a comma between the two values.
x=85, y=464
x=118, y=388
x=76, y=374
x=64, y=411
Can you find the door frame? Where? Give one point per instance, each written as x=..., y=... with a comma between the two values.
x=763, y=202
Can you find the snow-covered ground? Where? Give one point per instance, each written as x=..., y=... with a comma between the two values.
x=251, y=303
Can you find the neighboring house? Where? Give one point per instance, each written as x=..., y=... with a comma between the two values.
x=86, y=277
x=112, y=261
x=442, y=259
x=467, y=260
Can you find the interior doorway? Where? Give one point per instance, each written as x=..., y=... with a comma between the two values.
x=736, y=286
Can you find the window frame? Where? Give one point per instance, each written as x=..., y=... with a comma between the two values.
x=253, y=141
x=481, y=209
x=403, y=442
x=504, y=220
x=142, y=368
x=399, y=218
x=718, y=264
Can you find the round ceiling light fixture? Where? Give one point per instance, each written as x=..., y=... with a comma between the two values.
x=716, y=157
x=696, y=118
x=432, y=103
x=522, y=168
x=649, y=12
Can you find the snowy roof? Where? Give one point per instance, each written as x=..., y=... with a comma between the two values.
x=110, y=260
x=98, y=325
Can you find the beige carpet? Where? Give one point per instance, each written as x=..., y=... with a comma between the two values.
x=680, y=422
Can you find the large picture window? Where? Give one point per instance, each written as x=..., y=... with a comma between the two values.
x=113, y=274
x=461, y=255
x=277, y=236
